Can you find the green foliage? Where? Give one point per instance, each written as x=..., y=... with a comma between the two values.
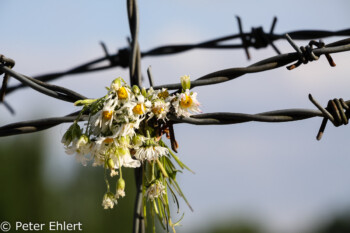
x=25, y=196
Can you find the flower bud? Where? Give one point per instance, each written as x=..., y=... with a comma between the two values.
x=110, y=163
x=116, y=84
x=76, y=131
x=121, y=184
x=150, y=142
x=138, y=139
x=120, y=188
x=84, y=102
x=185, y=82
x=136, y=90
x=72, y=133
x=124, y=141
x=67, y=138
x=122, y=151
x=144, y=92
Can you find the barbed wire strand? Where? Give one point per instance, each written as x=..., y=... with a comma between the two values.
x=337, y=110
x=31, y=126
x=257, y=39
x=57, y=92
x=264, y=65
x=218, y=118
x=212, y=78
x=230, y=74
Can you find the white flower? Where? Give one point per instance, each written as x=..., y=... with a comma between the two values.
x=113, y=173
x=122, y=154
x=159, y=109
x=142, y=106
x=125, y=112
x=101, y=148
x=162, y=94
x=120, y=193
x=122, y=158
x=150, y=153
x=111, y=148
x=81, y=147
x=127, y=129
x=108, y=201
x=103, y=119
x=124, y=93
x=155, y=190
x=186, y=103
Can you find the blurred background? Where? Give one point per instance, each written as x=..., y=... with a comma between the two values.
x=253, y=177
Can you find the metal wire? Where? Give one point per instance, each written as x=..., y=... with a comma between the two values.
x=218, y=118
x=45, y=88
x=209, y=79
x=24, y=127
x=257, y=39
x=337, y=110
x=264, y=65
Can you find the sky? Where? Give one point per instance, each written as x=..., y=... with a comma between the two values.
x=275, y=173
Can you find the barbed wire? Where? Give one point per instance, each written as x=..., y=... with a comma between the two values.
x=337, y=110
x=209, y=79
x=257, y=39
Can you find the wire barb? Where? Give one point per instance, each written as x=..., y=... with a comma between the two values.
x=245, y=41
x=105, y=50
x=10, y=63
x=257, y=38
x=337, y=111
x=306, y=53
x=150, y=76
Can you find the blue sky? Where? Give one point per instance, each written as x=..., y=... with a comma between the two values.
x=276, y=173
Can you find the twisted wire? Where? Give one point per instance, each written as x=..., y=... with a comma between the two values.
x=212, y=78
x=9, y=63
x=306, y=53
x=257, y=38
x=264, y=65
x=337, y=111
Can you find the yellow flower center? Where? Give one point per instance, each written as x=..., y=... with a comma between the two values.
x=108, y=140
x=107, y=114
x=164, y=94
x=157, y=110
x=139, y=109
x=186, y=102
x=122, y=93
